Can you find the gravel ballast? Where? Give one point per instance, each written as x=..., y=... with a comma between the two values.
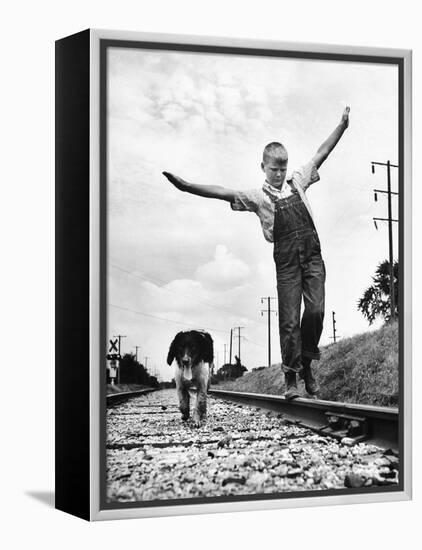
x=241, y=450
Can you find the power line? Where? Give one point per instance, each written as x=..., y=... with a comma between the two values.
x=162, y=284
x=347, y=208
x=252, y=342
x=354, y=226
x=162, y=318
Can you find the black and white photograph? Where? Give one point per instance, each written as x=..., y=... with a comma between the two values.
x=252, y=274
x=210, y=277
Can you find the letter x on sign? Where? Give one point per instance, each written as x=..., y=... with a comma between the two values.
x=113, y=346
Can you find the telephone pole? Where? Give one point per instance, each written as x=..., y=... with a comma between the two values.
x=146, y=362
x=231, y=345
x=119, y=336
x=225, y=350
x=390, y=227
x=334, y=337
x=239, y=337
x=269, y=311
x=136, y=351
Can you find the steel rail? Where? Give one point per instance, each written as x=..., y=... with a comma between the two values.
x=121, y=396
x=356, y=422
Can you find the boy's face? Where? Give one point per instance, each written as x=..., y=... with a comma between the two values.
x=275, y=171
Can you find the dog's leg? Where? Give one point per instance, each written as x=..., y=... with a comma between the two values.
x=184, y=400
x=200, y=412
x=182, y=394
x=210, y=373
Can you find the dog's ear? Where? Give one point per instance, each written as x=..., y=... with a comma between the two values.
x=207, y=348
x=173, y=348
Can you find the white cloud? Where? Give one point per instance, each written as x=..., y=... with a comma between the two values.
x=225, y=271
x=173, y=113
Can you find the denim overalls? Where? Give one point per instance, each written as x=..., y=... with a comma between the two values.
x=300, y=273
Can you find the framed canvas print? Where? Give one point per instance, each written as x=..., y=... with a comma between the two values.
x=233, y=243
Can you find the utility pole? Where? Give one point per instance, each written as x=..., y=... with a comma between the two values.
x=119, y=336
x=146, y=362
x=390, y=227
x=136, y=351
x=231, y=345
x=225, y=350
x=334, y=328
x=269, y=311
x=239, y=337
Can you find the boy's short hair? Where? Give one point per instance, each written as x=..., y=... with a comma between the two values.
x=274, y=151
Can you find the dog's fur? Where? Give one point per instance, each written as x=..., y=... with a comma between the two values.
x=194, y=354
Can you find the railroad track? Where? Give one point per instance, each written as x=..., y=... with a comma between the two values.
x=355, y=422
x=252, y=448
x=123, y=396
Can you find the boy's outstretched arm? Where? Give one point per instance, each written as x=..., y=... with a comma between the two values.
x=332, y=140
x=208, y=191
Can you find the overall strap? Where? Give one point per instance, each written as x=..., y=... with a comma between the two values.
x=304, y=199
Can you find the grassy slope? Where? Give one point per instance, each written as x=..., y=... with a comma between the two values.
x=361, y=369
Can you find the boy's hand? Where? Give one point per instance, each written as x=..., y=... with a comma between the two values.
x=207, y=191
x=345, y=117
x=332, y=140
x=176, y=181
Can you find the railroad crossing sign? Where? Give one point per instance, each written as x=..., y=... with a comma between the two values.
x=113, y=346
x=113, y=352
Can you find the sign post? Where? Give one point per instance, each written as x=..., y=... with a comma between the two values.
x=114, y=366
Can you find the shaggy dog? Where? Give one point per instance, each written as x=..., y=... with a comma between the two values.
x=194, y=354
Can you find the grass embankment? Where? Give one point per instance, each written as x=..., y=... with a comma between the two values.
x=120, y=388
x=360, y=369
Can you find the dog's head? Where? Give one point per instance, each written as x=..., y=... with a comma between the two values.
x=190, y=348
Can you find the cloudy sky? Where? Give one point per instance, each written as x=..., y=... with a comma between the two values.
x=177, y=261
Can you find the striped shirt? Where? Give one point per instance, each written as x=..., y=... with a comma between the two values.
x=261, y=201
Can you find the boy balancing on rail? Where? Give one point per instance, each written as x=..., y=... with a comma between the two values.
x=286, y=220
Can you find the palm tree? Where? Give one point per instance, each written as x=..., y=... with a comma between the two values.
x=375, y=301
